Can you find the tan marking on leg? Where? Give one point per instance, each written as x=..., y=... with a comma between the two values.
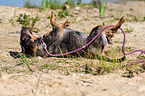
x=33, y=48
x=55, y=26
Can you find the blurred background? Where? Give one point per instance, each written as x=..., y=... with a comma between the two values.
x=38, y=3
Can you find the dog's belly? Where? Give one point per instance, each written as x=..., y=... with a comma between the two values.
x=71, y=40
x=80, y=34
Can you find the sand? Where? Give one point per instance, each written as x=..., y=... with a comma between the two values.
x=17, y=80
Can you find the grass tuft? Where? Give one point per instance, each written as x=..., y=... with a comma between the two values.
x=29, y=4
x=0, y=74
x=45, y=4
x=12, y=20
x=102, y=8
x=56, y=4
x=51, y=4
x=63, y=14
x=1, y=20
x=26, y=61
x=28, y=21
x=129, y=29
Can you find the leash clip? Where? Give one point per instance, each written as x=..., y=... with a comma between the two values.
x=44, y=46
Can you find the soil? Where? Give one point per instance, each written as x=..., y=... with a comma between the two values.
x=17, y=80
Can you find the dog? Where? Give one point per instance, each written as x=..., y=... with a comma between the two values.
x=62, y=40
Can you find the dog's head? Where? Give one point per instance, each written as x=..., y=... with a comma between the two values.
x=31, y=45
x=27, y=41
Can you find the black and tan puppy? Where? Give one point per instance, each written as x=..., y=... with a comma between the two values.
x=62, y=40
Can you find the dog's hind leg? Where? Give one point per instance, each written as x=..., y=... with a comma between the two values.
x=110, y=33
x=112, y=30
x=118, y=25
x=56, y=28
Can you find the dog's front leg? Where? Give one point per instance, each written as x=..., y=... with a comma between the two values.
x=104, y=43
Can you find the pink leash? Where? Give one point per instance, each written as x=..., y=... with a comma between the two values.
x=45, y=47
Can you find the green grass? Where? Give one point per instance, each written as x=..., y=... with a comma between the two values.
x=143, y=18
x=86, y=65
x=30, y=4
x=102, y=8
x=51, y=4
x=1, y=20
x=71, y=65
x=26, y=61
x=129, y=29
x=45, y=4
x=12, y=20
x=28, y=21
x=71, y=3
x=134, y=18
x=55, y=4
x=0, y=74
x=64, y=14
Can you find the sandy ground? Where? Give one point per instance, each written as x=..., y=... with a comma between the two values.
x=17, y=80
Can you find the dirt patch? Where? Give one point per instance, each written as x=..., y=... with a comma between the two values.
x=50, y=76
